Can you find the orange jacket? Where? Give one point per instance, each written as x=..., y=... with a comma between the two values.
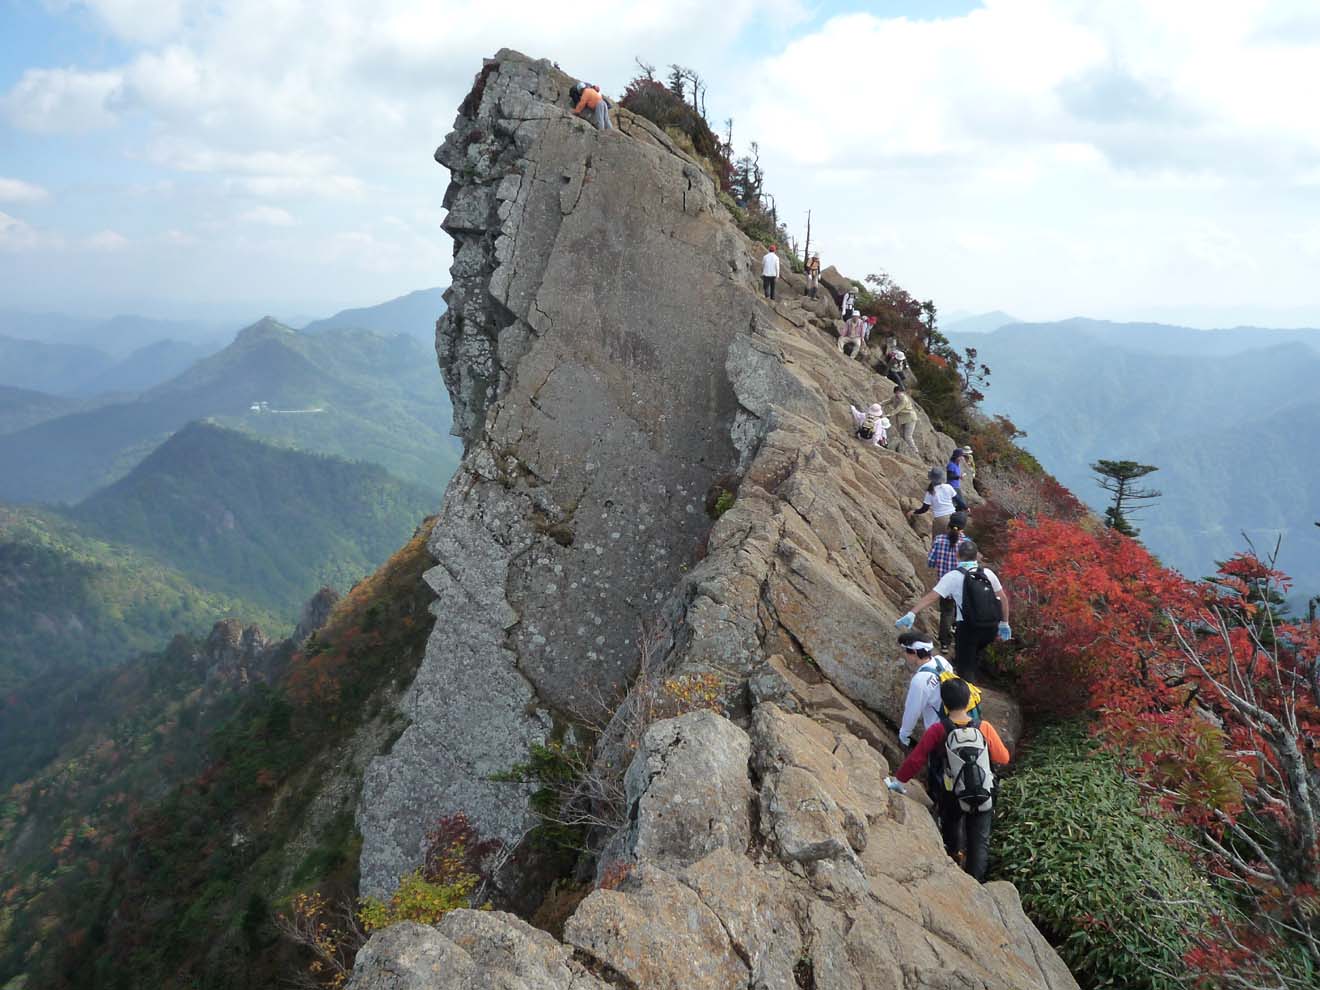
x=934, y=737
x=590, y=99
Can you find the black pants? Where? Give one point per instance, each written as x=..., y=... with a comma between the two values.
x=969, y=650
x=968, y=831
x=768, y=284
x=948, y=616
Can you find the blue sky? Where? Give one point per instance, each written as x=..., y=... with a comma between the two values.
x=1046, y=157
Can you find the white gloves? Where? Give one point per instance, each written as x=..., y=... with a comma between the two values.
x=906, y=620
x=1005, y=631
x=894, y=785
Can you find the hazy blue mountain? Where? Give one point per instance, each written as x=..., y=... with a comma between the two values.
x=145, y=367
x=48, y=367
x=117, y=336
x=979, y=322
x=1229, y=416
x=354, y=394
x=20, y=407
x=242, y=517
x=414, y=314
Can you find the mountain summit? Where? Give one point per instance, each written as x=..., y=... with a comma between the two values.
x=618, y=381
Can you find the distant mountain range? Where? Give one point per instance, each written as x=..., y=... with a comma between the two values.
x=351, y=393
x=1229, y=417
x=116, y=336
x=414, y=314
x=979, y=323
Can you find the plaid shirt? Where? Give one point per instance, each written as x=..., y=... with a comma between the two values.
x=944, y=557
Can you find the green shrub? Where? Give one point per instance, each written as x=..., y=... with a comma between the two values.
x=1095, y=868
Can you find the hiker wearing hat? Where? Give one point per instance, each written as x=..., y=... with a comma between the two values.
x=943, y=557
x=897, y=368
x=769, y=272
x=591, y=105
x=904, y=414
x=872, y=424
x=849, y=300
x=852, y=333
x=968, y=470
x=813, y=275
x=941, y=501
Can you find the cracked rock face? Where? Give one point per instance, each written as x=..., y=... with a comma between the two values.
x=880, y=907
x=612, y=364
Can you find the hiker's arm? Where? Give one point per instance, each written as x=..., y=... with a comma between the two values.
x=925, y=507
x=1002, y=595
x=925, y=601
x=930, y=557
x=911, y=712
x=919, y=756
x=582, y=102
x=958, y=502
x=998, y=751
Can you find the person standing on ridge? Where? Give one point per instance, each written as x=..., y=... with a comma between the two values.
x=968, y=470
x=591, y=105
x=769, y=272
x=904, y=414
x=981, y=605
x=943, y=557
x=941, y=501
x=813, y=275
x=962, y=749
x=954, y=469
x=849, y=300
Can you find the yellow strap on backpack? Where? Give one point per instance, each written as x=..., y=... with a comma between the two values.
x=975, y=701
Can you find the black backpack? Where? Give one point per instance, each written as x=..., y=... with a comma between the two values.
x=980, y=605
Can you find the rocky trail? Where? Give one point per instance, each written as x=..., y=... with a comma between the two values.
x=614, y=370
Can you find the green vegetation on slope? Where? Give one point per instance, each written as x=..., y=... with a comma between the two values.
x=183, y=891
x=247, y=518
x=348, y=393
x=69, y=600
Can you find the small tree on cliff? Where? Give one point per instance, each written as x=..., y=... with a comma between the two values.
x=1117, y=477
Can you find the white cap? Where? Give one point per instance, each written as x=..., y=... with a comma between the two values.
x=899, y=356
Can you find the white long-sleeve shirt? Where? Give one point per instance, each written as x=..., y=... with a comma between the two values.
x=847, y=304
x=770, y=265
x=923, y=698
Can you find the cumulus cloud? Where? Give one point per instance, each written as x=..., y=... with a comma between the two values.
x=53, y=101
x=18, y=191
x=270, y=216
x=105, y=240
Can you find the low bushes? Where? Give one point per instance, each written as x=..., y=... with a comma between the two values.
x=1096, y=870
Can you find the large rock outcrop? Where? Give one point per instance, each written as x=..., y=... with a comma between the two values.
x=825, y=880
x=613, y=367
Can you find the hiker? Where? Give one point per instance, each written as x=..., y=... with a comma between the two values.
x=849, y=300
x=962, y=748
x=968, y=470
x=769, y=272
x=904, y=414
x=953, y=471
x=896, y=369
x=813, y=275
x=981, y=609
x=866, y=330
x=591, y=105
x=943, y=557
x=851, y=333
x=923, y=696
x=941, y=501
x=871, y=425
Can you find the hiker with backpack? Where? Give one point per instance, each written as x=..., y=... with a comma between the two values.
x=943, y=557
x=941, y=501
x=871, y=425
x=958, y=752
x=981, y=605
x=590, y=104
x=769, y=272
x=896, y=369
x=812, y=270
x=904, y=414
x=852, y=333
x=849, y=300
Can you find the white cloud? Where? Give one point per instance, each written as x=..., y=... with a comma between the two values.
x=18, y=191
x=270, y=216
x=19, y=236
x=53, y=101
x=105, y=240
x=132, y=20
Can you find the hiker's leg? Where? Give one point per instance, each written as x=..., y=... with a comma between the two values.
x=765, y=286
x=842, y=341
x=951, y=817
x=948, y=616
x=966, y=657
x=984, y=638
x=978, y=843
x=603, y=116
x=773, y=280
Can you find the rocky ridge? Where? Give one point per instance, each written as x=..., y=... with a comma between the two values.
x=613, y=369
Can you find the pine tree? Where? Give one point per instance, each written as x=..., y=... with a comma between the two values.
x=1117, y=477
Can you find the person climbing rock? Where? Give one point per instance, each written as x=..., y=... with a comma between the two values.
x=852, y=333
x=904, y=414
x=813, y=275
x=968, y=470
x=981, y=609
x=896, y=368
x=769, y=272
x=962, y=749
x=871, y=425
x=943, y=557
x=849, y=300
x=941, y=501
x=923, y=696
x=591, y=105
x=953, y=471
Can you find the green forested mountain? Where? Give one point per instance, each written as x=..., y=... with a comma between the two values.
x=48, y=367
x=21, y=407
x=414, y=314
x=74, y=601
x=351, y=393
x=247, y=518
x=1228, y=417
